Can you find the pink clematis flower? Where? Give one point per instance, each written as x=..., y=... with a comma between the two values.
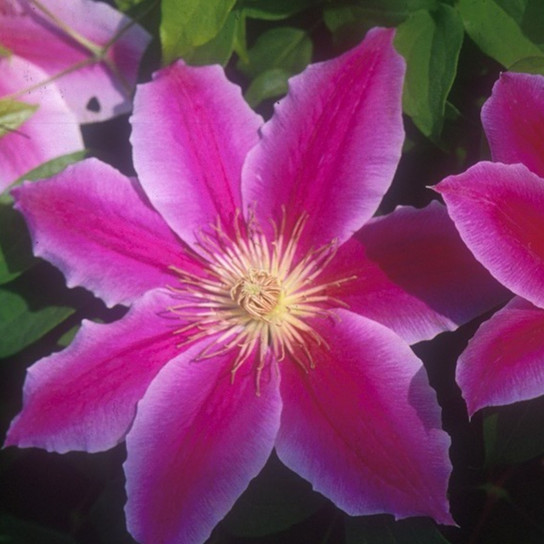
x=498, y=209
x=93, y=51
x=258, y=319
x=50, y=131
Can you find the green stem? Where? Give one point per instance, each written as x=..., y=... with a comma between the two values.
x=73, y=68
x=98, y=52
x=94, y=49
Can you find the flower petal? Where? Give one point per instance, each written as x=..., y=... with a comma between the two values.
x=499, y=212
x=191, y=132
x=364, y=426
x=197, y=441
x=413, y=274
x=93, y=91
x=504, y=361
x=50, y=132
x=90, y=222
x=84, y=398
x=334, y=142
x=513, y=120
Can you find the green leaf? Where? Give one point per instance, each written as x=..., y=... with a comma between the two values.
x=219, y=49
x=384, y=530
x=514, y=8
x=15, y=248
x=430, y=41
x=13, y=114
x=496, y=32
x=66, y=339
x=269, y=84
x=126, y=5
x=532, y=22
x=369, y=13
x=26, y=314
x=45, y=170
x=274, y=9
x=240, y=37
x=187, y=24
x=513, y=433
x=349, y=23
x=18, y=531
x=287, y=48
x=106, y=514
x=274, y=501
x=530, y=65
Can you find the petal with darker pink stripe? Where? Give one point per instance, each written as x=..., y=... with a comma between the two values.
x=94, y=224
x=198, y=439
x=363, y=426
x=513, y=120
x=504, y=361
x=191, y=132
x=84, y=398
x=499, y=211
x=333, y=144
x=413, y=274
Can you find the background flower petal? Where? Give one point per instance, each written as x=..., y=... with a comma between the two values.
x=93, y=92
x=504, y=361
x=364, y=426
x=191, y=132
x=50, y=132
x=499, y=212
x=197, y=441
x=333, y=144
x=84, y=398
x=413, y=274
x=513, y=120
x=90, y=222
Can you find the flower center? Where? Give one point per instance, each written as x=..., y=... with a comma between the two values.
x=256, y=296
x=257, y=292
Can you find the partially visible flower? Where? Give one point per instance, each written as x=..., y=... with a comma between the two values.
x=258, y=318
x=91, y=51
x=498, y=209
x=48, y=129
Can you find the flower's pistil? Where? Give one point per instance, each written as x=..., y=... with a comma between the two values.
x=256, y=295
x=257, y=292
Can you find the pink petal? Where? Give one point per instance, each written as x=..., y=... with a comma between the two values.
x=413, y=274
x=91, y=222
x=504, y=361
x=364, y=426
x=24, y=29
x=499, y=212
x=52, y=130
x=334, y=142
x=191, y=132
x=197, y=441
x=513, y=119
x=84, y=398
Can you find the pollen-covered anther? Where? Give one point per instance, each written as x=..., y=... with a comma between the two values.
x=257, y=292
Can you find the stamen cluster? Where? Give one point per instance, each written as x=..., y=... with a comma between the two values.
x=255, y=295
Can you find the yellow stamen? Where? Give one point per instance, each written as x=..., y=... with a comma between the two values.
x=256, y=295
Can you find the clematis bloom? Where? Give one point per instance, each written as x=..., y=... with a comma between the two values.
x=93, y=51
x=498, y=208
x=257, y=318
